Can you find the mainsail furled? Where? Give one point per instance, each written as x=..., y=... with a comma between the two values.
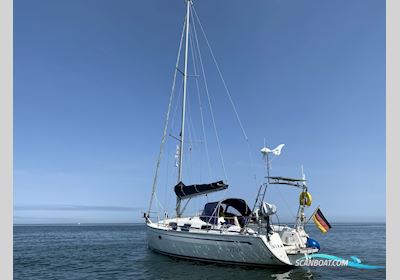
x=182, y=191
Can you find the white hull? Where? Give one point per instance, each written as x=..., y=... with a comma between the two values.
x=214, y=246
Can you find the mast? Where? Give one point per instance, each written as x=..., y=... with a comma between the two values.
x=182, y=134
x=267, y=166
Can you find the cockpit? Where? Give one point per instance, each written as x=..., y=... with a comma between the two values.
x=231, y=211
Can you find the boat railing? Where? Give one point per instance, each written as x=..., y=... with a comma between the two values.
x=213, y=222
x=157, y=215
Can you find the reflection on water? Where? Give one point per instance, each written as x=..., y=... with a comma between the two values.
x=293, y=274
x=164, y=267
x=169, y=268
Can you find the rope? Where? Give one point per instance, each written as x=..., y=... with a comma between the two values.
x=230, y=99
x=209, y=102
x=286, y=203
x=190, y=143
x=201, y=108
x=220, y=74
x=176, y=107
x=164, y=137
x=159, y=203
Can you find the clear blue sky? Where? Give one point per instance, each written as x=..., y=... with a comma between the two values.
x=92, y=81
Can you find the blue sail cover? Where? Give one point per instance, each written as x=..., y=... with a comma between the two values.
x=182, y=191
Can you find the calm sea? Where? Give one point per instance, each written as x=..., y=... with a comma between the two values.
x=120, y=252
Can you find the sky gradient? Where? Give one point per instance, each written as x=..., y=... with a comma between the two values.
x=91, y=87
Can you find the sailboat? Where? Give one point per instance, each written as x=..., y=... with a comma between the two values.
x=226, y=231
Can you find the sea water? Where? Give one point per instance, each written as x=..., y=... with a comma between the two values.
x=120, y=252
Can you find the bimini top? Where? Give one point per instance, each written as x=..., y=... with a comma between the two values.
x=182, y=191
x=213, y=210
x=239, y=204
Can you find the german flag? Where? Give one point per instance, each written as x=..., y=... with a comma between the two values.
x=320, y=221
